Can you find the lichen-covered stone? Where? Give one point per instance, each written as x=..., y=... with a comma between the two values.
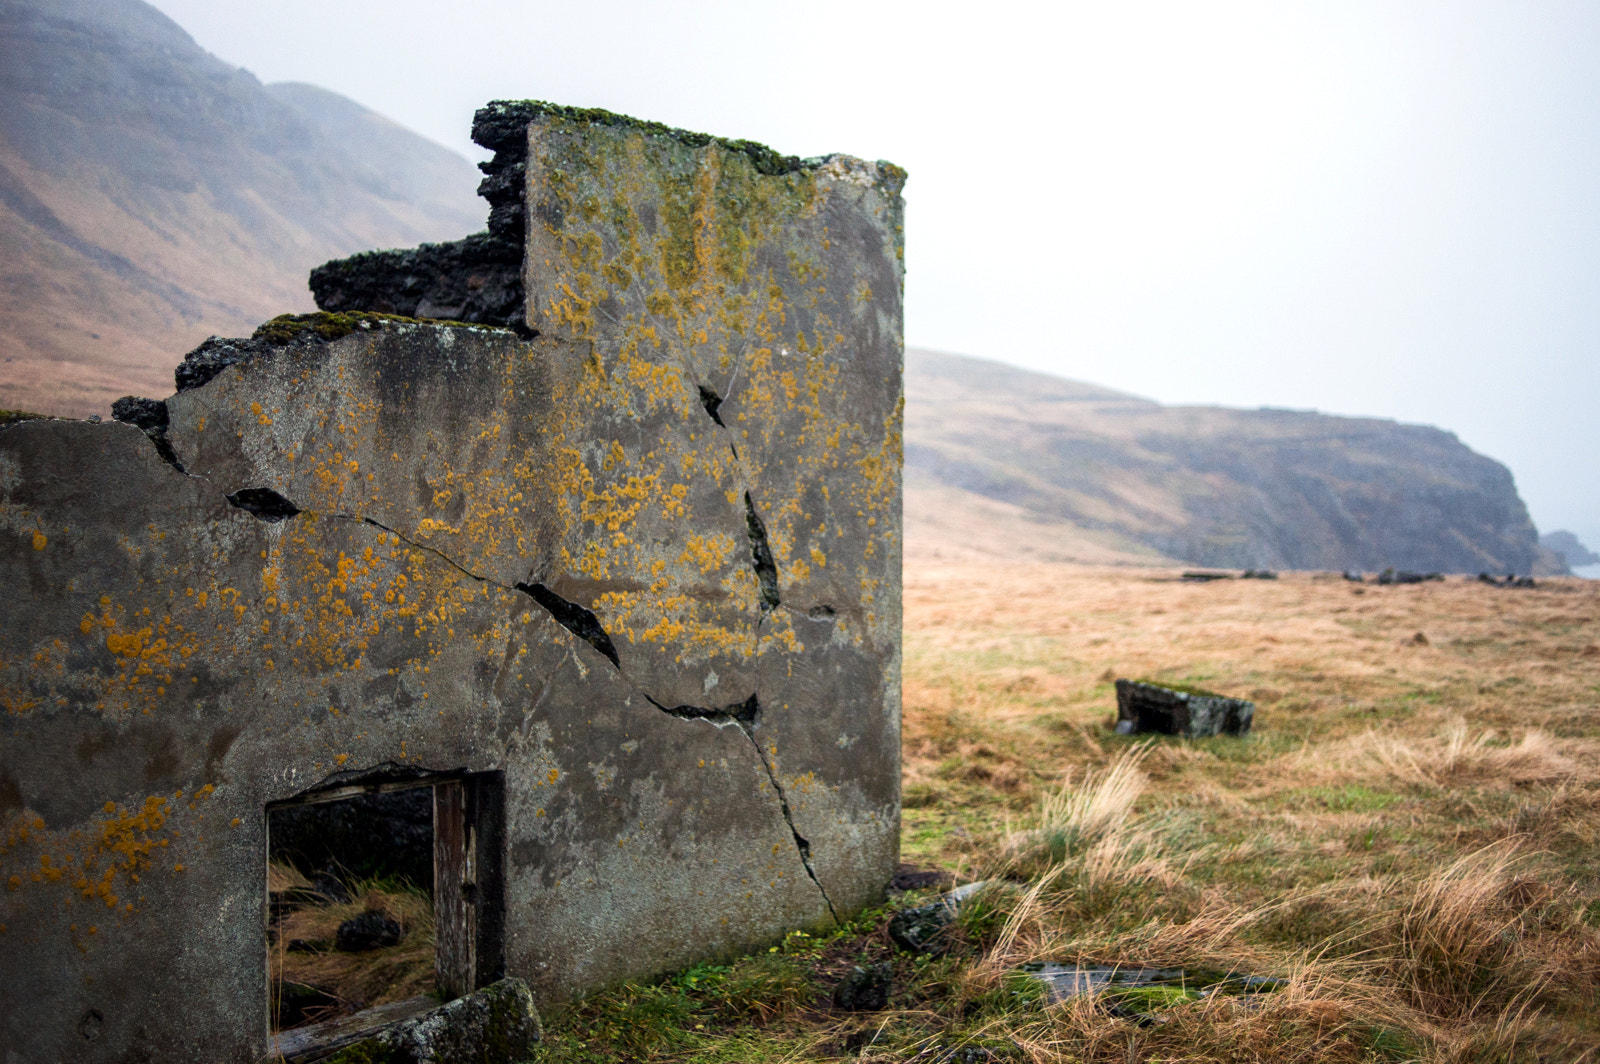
x=496, y=1025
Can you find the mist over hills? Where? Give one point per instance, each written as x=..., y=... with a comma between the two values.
x=1061, y=469
x=152, y=195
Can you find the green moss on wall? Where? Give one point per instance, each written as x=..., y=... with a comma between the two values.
x=325, y=326
x=11, y=417
x=521, y=112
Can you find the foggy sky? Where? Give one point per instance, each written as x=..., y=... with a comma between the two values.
x=1378, y=209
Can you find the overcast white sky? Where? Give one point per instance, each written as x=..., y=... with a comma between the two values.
x=1384, y=209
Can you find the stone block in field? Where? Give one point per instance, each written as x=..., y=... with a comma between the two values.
x=1148, y=708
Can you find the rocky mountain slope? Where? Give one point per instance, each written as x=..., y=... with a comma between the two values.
x=1004, y=462
x=152, y=195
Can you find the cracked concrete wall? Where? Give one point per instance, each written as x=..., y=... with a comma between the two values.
x=645, y=563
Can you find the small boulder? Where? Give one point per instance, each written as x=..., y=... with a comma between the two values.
x=329, y=887
x=865, y=988
x=495, y=1025
x=370, y=930
x=923, y=929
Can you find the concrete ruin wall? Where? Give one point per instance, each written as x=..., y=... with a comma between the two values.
x=641, y=556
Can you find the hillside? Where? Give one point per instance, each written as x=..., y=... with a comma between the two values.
x=1005, y=463
x=152, y=195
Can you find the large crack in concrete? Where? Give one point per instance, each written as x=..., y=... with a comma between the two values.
x=585, y=625
x=576, y=619
x=263, y=503
x=268, y=505
x=801, y=844
x=761, y=558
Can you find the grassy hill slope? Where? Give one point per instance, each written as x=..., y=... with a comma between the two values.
x=151, y=195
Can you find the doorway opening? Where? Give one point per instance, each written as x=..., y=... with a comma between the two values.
x=383, y=899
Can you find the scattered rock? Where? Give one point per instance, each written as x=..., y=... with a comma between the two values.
x=1355, y=576
x=864, y=988
x=1144, y=707
x=496, y=1025
x=368, y=931
x=909, y=877
x=389, y=833
x=1511, y=580
x=1402, y=576
x=328, y=887
x=922, y=930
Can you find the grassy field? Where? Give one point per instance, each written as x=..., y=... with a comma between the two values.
x=1410, y=838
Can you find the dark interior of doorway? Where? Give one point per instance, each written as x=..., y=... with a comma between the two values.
x=383, y=899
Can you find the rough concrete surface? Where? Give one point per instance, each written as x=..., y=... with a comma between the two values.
x=496, y=1025
x=645, y=564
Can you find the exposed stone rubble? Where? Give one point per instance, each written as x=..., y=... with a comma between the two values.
x=477, y=279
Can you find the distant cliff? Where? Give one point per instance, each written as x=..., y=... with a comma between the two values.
x=1572, y=551
x=1116, y=478
x=151, y=194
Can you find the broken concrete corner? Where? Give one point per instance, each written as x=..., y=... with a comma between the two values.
x=1149, y=708
x=616, y=576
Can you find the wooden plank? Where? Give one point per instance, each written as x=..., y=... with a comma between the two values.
x=353, y=790
x=303, y=1044
x=455, y=926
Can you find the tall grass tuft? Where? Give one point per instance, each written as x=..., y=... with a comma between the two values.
x=1076, y=818
x=1457, y=945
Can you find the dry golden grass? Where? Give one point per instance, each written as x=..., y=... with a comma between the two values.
x=1409, y=843
x=1410, y=837
x=357, y=980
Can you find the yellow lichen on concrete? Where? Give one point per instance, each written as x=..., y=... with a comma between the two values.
x=102, y=863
